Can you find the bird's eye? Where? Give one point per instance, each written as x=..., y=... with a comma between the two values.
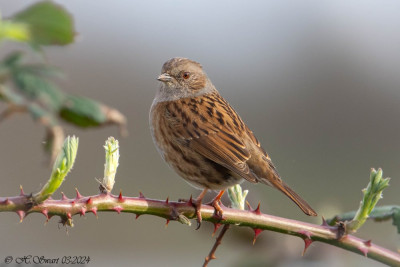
x=186, y=75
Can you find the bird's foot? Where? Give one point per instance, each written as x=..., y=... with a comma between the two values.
x=216, y=203
x=196, y=203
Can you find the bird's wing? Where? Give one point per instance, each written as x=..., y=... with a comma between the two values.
x=227, y=150
x=202, y=126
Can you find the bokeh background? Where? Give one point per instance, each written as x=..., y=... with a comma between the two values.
x=317, y=81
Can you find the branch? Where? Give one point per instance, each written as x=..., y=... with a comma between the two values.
x=67, y=208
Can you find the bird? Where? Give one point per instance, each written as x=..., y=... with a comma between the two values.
x=199, y=135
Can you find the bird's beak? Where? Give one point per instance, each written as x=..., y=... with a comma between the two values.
x=164, y=77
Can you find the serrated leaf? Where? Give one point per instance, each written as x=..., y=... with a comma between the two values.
x=83, y=111
x=49, y=23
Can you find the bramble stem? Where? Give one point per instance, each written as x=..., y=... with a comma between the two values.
x=66, y=208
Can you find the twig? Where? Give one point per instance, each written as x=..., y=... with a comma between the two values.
x=218, y=240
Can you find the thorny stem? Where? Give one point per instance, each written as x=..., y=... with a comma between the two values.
x=218, y=241
x=66, y=208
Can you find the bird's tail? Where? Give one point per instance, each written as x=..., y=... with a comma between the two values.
x=303, y=205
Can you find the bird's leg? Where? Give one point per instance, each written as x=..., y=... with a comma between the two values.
x=215, y=203
x=197, y=206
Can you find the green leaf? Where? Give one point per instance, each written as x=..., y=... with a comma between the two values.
x=382, y=213
x=396, y=218
x=83, y=111
x=38, y=89
x=39, y=113
x=11, y=96
x=49, y=23
x=34, y=109
x=42, y=70
x=14, y=31
x=8, y=64
x=12, y=59
x=62, y=166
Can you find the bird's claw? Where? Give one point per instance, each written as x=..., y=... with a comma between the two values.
x=218, y=212
x=197, y=206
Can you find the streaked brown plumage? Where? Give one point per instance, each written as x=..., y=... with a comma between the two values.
x=203, y=139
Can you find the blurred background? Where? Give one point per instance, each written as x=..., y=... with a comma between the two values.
x=317, y=81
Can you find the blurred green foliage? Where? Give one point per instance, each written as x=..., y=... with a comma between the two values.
x=30, y=87
x=48, y=24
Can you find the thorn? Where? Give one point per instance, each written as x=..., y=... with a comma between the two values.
x=63, y=197
x=324, y=223
x=82, y=211
x=257, y=210
x=364, y=250
x=213, y=257
x=137, y=216
x=73, y=202
x=367, y=243
x=307, y=239
x=118, y=209
x=248, y=205
x=120, y=198
x=69, y=215
x=167, y=200
x=307, y=243
x=166, y=224
x=94, y=210
x=46, y=214
x=21, y=191
x=190, y=201
x=21, y=215
x=78, y=195
x=334, y=229
x=89, y=201
x=141, y=195
x=216, y=227
x=257, y=231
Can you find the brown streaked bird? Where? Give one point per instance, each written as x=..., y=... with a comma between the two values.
x=204, y=140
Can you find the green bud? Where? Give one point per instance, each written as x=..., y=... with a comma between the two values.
x=372, y=194
x=112, y=161
x=237, y=196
